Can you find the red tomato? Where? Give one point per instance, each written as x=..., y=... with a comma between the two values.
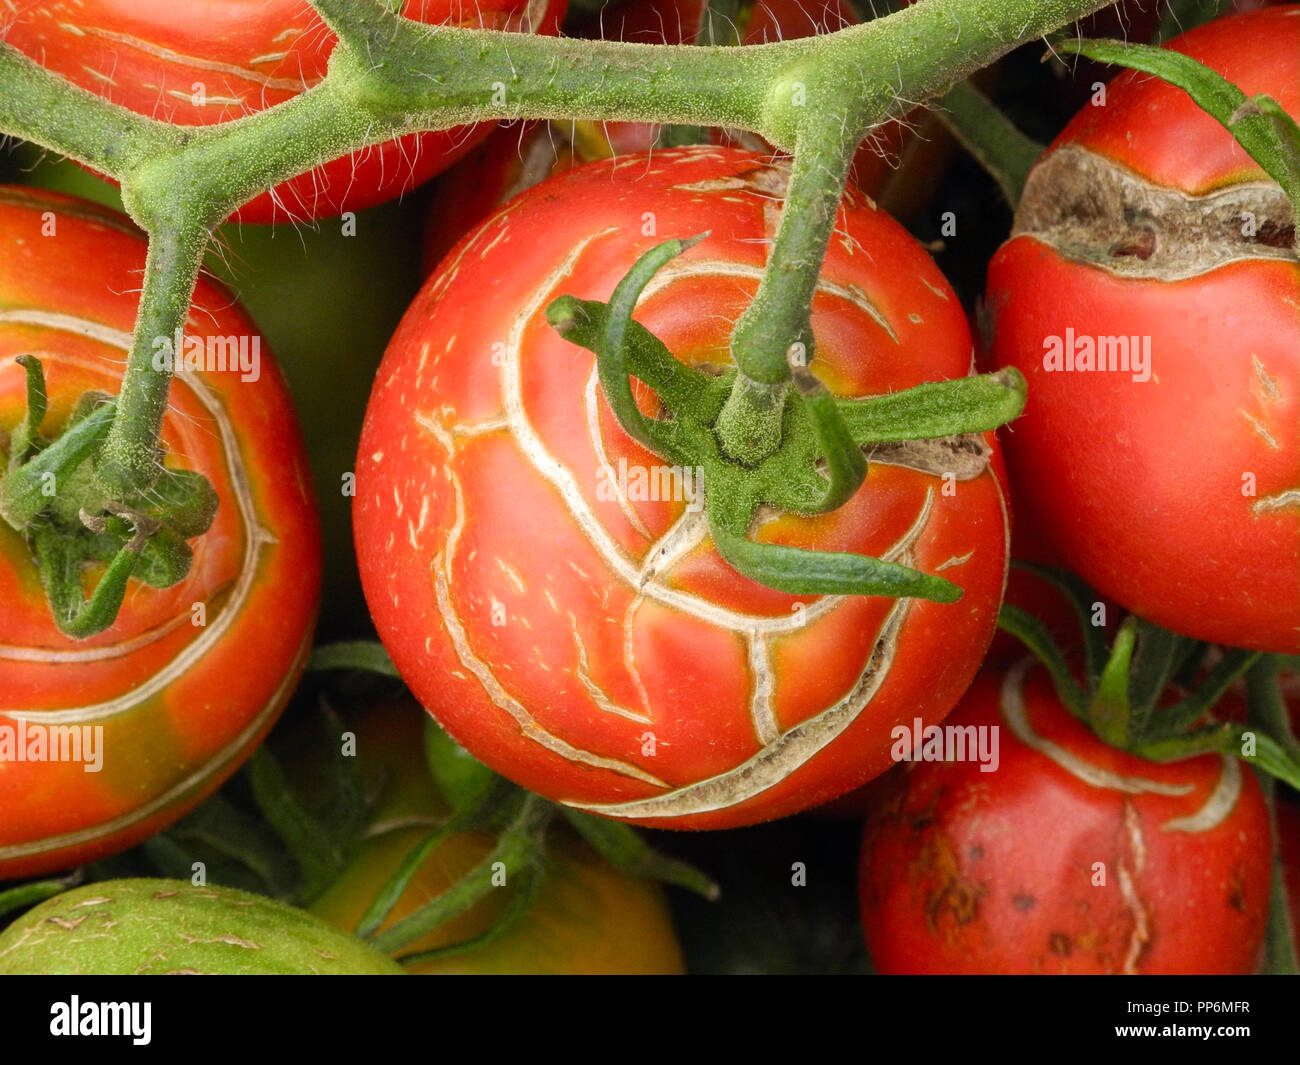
x=189, y=678
x=1069, y=857
x=590, y=643
x=1169, y=484
x=223, y=60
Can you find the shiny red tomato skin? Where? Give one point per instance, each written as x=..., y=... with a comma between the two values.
x=965, y=871
x=600, y=685
x=181, y=703
x=1177, y=496
x=223, y=60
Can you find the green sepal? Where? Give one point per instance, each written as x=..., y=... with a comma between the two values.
x=26, y=437
x=846, y=467
x=1108, y=707
x=936, y=409
x=1174, y=719
x=1228, y=738
x=682, y=389
x=519, y=848
x=1038, y=639
x=524, y=892
x=803, y=572
x=367, y=656
x=22, y=492
x=1081, y=599
x=624, y=849
x=184, y=501
x=60, y=560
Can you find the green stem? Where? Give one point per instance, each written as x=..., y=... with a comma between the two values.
x=517, y=849
x=131, y=457
x=816, y=96
x=984, y=131
x=778, y=317
x=42, y=108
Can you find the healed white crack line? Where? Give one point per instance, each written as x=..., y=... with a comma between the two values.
x=1260, y=430
x=1216, y=807
x=1279, y=501
x=1137, y=842
x=1141, y=934
x=1013, y=712
x=685, y=534
x=762, y=712
x=606, y=467
x=629, y=649
x=265, y=81
x=493, y=688
x=678, y=269
x=229, y=753
x=956, y=560
x=10, y=652
x=594, y=691
x=241, y=491
x=784, y=756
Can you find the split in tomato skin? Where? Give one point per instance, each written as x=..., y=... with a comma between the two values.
x=225, y=60
x=1172, y=487
x=1069, y=857
x=589, y=643
x=189, y=678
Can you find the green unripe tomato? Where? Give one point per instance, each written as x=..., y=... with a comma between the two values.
x=162, y=927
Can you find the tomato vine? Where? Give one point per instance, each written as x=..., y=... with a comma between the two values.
x=816, y=98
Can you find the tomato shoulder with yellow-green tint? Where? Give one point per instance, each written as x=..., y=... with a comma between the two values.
x=588, y=917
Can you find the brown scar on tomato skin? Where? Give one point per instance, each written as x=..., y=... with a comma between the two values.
x=1237, y=889
x=1092, y=210
x=936, y=871
x=966, y=457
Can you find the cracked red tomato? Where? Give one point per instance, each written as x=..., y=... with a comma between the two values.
x=166, y=703
x=223, y=60
x=1161, y=439
x=548, y=588
x=1068, y=856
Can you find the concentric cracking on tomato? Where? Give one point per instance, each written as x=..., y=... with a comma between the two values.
x=108, y=737
x=551, y=587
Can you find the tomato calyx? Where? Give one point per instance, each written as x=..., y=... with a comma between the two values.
x=819, y=455
x=49, y=494
x=1125, y=693
x=524, y=824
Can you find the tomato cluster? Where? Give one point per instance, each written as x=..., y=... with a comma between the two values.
x=550, y=588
